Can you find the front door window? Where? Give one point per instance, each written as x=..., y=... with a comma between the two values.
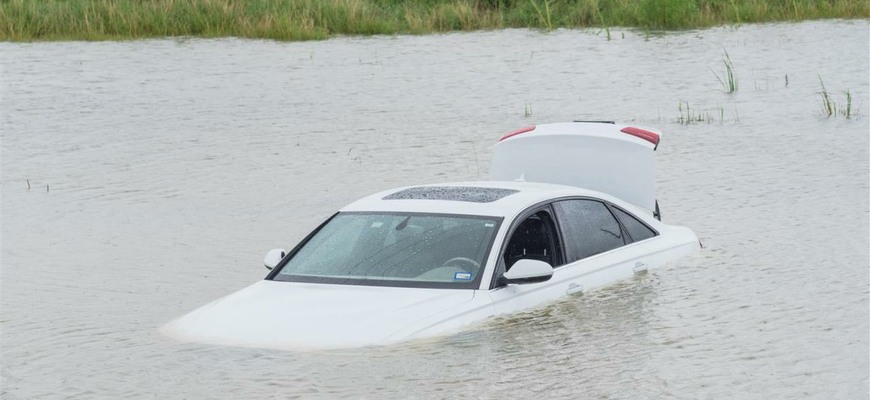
x=535, y=239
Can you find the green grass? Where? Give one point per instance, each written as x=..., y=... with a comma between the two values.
x=26, y=20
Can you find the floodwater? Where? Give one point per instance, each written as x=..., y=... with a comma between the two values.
x=142, y=179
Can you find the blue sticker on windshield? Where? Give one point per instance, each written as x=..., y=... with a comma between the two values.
x=462, y=276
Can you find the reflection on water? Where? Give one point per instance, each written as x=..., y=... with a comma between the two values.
x=161, y=171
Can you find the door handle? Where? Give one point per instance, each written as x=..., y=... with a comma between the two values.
x=639, y=267
x=573, y=288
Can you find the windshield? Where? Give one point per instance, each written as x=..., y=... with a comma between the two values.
x=394, y=249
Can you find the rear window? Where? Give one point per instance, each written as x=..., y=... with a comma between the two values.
x=636, y=229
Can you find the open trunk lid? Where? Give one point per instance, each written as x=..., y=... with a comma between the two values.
x=602, y=156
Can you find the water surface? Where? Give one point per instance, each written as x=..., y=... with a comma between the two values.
x=142, y=179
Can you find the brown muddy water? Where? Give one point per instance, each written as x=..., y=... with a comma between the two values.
x=142, y=179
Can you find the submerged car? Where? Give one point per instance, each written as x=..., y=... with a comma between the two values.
x=571, y=207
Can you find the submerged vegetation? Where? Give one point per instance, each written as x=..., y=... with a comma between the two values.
x=689, y=115
x=23, y=20
x=830, y=107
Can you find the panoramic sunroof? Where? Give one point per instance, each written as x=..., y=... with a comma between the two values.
x=455, y=193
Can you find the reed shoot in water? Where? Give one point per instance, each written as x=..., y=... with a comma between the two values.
x=729, y=77
x=690, y=116
x=830, y=107
x=848, y=111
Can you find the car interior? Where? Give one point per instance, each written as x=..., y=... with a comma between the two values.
x=533, y=239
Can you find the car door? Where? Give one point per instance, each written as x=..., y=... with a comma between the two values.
x=593, y=252
x=534, y=234
x=595, y=244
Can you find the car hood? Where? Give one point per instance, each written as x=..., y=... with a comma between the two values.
x=291, y=315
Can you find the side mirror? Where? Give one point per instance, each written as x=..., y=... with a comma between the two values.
x=528, y=271
x=273, y=257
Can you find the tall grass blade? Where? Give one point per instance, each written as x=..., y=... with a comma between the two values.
x=728, y=80
x=828, y=105
x=848, y=111
x=544, y=16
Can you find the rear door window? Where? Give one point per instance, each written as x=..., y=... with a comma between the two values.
x=588, y=228
x=636, y=229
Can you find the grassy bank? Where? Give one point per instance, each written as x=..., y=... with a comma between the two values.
x=24, y=20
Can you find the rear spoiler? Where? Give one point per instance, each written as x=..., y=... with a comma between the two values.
x=644, y=134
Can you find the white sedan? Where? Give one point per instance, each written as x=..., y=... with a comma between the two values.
x=427, y=260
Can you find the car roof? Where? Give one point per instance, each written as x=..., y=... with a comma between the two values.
x=487, y=198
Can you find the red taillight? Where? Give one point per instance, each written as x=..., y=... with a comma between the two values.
x=651, y=137
x=517, y=132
